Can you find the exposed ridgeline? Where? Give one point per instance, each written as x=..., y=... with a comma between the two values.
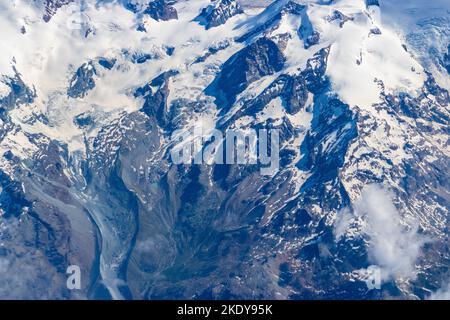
x=51, y=6
x=218, y=12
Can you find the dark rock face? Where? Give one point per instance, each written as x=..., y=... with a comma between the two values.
x=291, y=89
x=141, y=58
x=257, y=60
x=372, y=3
x=161, y=10
x=332, y=116
x=83, y=120
x=219, y=12
x=51, y=6
x=293, y=8
x=156, y=103
x=340, y=17
x=314, y=73
x=82, y=81
x=433, y=111
x=295, y=94
x=375, y=31
x=133, y=6
x=446, y=61
x=12, y=198
x=107, y=63
x=19, y=93
x=212, y=50
x=272, y=23
x=307, y=32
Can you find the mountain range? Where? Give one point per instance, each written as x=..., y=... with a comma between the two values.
x=92, y=92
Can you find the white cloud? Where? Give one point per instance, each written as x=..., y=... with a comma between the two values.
x=393, y=247
x=342, y=223
x=442, y=294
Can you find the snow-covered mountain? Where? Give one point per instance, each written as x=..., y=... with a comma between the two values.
x=91, y=93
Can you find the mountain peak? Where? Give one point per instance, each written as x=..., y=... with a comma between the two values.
x=51, y=6
x=372, y=3
x=218, y=12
